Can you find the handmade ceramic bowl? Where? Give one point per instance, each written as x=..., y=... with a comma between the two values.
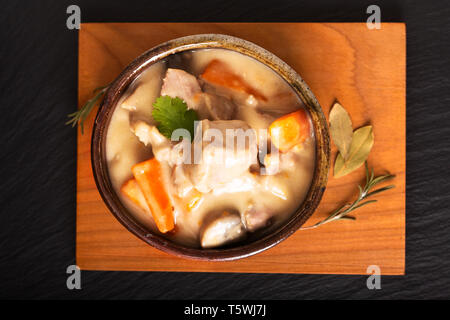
x=241, y=250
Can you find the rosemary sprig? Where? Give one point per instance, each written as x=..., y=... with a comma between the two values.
x=364, y=193
x=81, y=115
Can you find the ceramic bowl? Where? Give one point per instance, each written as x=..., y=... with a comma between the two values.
x=252, y=245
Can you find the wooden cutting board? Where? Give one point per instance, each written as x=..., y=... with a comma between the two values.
x=364, y=69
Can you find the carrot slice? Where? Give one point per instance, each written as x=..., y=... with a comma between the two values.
x=290, y=130
x=133, y=192
x=218, y=73
x=148, y=175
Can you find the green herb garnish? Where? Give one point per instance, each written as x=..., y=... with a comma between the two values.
x=172, y=114
x=81, y=115
x=364, y=193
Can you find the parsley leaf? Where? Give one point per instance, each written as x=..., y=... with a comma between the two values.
x=172, y=114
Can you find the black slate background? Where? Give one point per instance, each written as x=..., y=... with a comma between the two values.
x=38, y=87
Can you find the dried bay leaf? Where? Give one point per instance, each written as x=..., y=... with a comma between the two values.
x=341, y=129
x=361, y=145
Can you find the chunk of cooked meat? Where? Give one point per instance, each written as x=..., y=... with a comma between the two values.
x=228, y=149
x=247, y=181
x=179, y=83
x=216, y=107
x=224, y=229
x=163, y=149
x=182, y=184
x=147, y=134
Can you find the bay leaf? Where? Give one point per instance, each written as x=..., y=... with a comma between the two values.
x=341, y=129
x=361, y=145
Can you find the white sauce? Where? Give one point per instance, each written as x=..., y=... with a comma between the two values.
x=281, y=194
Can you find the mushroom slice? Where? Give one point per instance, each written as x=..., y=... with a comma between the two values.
x=256, y=217
x=222, y=230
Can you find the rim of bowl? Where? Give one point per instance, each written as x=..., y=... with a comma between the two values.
x=206, y=41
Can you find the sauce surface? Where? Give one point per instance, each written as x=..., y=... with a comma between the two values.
x=271, y=197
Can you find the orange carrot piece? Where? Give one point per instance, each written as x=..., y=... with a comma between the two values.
x=290, y=130
x=133, y=192
x=218, y=73
x=148, y=175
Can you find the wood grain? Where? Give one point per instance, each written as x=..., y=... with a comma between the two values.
x=363, y=69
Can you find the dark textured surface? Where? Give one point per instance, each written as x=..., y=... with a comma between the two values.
x=38, y=87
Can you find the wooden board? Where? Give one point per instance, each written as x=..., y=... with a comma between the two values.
x=364, y=69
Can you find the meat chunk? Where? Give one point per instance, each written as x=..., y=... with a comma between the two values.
x=222, y=230
x=216, y=107
x=163, y=149
x=179, y=83
x=243, y=183
x=182, y=184
x=147, y=134
x=222, y=151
